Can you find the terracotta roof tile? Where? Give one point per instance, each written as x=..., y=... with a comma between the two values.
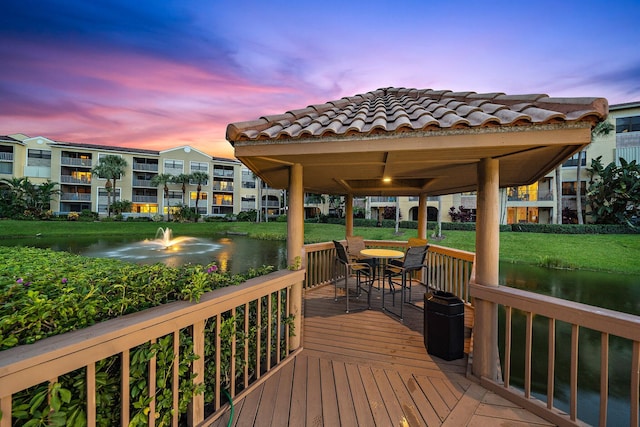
x=393, y=110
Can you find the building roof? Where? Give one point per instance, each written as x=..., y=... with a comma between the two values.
x=427, y=141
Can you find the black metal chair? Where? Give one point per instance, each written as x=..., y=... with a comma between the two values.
x=398, y=275
x=363, y=271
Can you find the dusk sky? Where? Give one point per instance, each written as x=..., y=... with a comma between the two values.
x=161, y=74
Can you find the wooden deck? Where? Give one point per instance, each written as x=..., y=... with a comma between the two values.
x=366, y=368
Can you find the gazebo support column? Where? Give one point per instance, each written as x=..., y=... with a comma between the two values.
x=485, y=345
x=295, y=245
x=348, y=214
x=422, y=217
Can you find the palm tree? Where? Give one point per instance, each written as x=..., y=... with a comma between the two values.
x=111, y=168
x=602, y=128
x=162, y=180
x=199, y=178
x=183, y=179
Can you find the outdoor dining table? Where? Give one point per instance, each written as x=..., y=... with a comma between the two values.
x=381, y=256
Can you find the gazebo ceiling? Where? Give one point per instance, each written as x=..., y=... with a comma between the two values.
x=424, y=141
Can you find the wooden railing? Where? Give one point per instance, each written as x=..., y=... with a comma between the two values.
x=575, y=316
x=266, y=298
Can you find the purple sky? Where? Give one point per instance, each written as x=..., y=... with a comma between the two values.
x=164, y=73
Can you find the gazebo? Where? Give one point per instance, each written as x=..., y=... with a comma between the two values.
x=418, y=142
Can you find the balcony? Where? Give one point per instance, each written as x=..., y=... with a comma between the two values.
x=142, y=183
x=361, y=368
x=73, y=197
x=222, y=186
x=149, y=167
x=144, y=199
x=74, y=161
x=6, y=156
x=68, y=179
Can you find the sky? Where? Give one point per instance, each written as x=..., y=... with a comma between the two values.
x=159, y=74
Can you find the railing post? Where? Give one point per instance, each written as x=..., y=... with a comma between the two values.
x=485, y=348
x=295, y=249
x=422, y=216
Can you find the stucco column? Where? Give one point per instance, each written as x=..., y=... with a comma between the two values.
x=422, y=217
x=295, y=249
x=348, y=215
x=485, y=341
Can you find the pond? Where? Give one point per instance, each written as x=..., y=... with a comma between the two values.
x=236, y=254
x=232, y=253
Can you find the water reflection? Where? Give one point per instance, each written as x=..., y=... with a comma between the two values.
x=613, y=291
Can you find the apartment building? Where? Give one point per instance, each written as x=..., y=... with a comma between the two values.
x=232, y=188
x=70, y=164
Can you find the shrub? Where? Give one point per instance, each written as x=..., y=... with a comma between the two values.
x=45, y=293
x=73, y=216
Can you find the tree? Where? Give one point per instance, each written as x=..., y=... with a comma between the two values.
x=602, y=128
x=183, y=179
x=199, y=178
x=161, y=180
x=614, y=192
x=19, y=196
x=111, y=168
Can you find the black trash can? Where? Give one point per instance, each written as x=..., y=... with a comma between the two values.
x=444, y=325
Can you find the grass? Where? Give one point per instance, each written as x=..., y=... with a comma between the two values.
x=598, y=252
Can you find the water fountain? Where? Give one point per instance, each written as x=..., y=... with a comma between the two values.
x=162, y=248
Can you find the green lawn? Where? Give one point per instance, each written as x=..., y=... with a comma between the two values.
x=610, y=252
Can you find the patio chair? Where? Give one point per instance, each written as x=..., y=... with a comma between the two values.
x=399, y=276
x=364, y=274
x=413, y=241
x=354, y=245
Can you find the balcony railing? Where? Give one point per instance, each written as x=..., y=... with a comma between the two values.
x=68, y=179
x=6, y=156
x=144, y=199
x=218, y=186
x=74, y=161
x=150, y=167
x=83, y=197
x=265, y=297
x=142, y=183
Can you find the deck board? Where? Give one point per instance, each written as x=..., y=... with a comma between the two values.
x=366, y=368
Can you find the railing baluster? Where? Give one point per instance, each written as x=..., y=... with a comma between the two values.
x=269, y=330
x=258, y=335
x=287, y=293
x=573, y=381
x=527, y=355
x=125, y=366
x=152, y=387
x=5, y=407
x=232, y=362
x=507, y=346
x=635, y=383
x=91, y=394
x=195, y=414
x=218, y=344
x=551, y=362
x=604, y=377
x=175, y=379
x=278, y=327
x=246, y=346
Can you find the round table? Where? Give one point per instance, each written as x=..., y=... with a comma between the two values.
x=379, y=254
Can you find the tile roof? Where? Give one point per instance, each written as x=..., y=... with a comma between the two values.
x=398, y=110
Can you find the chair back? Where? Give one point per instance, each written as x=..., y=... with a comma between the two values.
x=354, y=245
x=414, y=241
x=414, y=257
x=341, y=252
